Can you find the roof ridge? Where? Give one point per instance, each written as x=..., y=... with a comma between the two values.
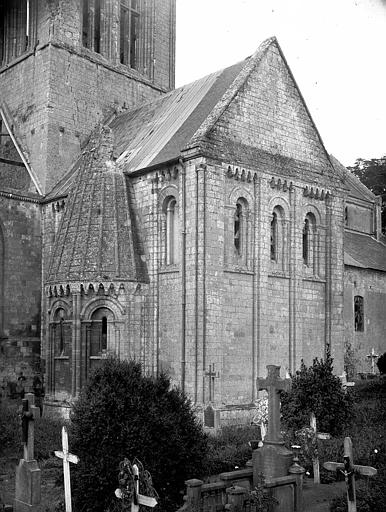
x=251, y=63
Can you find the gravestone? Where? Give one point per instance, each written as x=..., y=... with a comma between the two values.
x=273, y=459
x=372, y=356
x=348, y=468
x=27, y=488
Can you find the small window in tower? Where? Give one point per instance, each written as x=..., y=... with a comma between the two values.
x=85, y=23
x=358, y=313
x=61, y=336
x=129, y=17
x=97, y=26
x=346, y=216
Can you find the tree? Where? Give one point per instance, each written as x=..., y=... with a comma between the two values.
x=121, y=414
x=372, y=173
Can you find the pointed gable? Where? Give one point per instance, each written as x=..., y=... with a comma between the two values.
x=263, y=117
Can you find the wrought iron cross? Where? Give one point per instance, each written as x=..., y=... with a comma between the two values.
x=348, y=468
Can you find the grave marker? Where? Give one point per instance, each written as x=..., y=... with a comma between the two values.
x=138, y=499
x=373, y=356
x=67, y=458
x=212, y=375
x=27, y=488
x=273, y=384
x=348, y=468
x=318, y=435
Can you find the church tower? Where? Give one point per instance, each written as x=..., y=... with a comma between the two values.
x=67, y=65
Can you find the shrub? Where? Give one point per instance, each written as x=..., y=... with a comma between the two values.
x=123, y=414
x=316, y=389
x=381, y=363
x=10, y=428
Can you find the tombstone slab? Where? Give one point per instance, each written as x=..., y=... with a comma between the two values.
x=28, y=475
x=27, y=489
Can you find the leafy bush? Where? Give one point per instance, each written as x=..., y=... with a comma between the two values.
x=228, y=449
x=47, y=432
x=316, y=389
x=381, y=363
x=123, y=414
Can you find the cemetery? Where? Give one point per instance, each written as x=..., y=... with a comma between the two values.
x=317, y=442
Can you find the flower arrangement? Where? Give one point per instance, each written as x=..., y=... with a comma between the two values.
x=261, y=415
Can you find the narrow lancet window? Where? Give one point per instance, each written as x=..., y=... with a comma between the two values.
x=237, y=227
x=104, y=334
x=171, y=232
x=306, y=241
x=274, y=237
x=358, y=313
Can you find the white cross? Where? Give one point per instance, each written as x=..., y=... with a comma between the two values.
x=138, y=499
x=318, y=435
x=67, y=458
x=373, y=356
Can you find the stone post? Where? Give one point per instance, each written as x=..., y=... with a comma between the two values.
x=236, y=497
x=193, y=494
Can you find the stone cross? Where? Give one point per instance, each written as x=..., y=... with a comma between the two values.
x=67, y=458
x=317, y=435
x=273, y=384
x=29, y=413
x=138, y=499
x=212, y=375
x=345, y=382
x=348, y=468
x=373, y=356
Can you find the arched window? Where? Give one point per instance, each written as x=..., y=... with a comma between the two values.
x=128, y=32
x=101, y=323
x=237, y=227
x=274, y=237
x=306, y=241
x=62, y=333
x=358, y=313
x=171, y=232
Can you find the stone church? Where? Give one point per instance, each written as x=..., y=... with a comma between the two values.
x=204, y=231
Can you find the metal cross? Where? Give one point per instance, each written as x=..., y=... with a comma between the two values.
x=348, y=468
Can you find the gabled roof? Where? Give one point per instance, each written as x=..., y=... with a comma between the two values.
x=159, y=131
x=21, y=151
x=356, y=188
x=364, y=251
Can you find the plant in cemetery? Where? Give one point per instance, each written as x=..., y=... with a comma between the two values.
x=316, y=389
x=121, y=413
x=381, y=363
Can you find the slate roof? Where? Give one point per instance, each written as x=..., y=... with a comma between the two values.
x=158, y=131
x=364, y=251
x=356, y=188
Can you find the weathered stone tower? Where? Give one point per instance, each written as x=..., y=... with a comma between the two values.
x=65, y=66
x=68, y=64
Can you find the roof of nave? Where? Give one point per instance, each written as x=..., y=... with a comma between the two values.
x=97, y=238
x=364, y=251
x=356, y=188
x=159, y=131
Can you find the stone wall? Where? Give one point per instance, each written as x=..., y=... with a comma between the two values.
x=371, y=285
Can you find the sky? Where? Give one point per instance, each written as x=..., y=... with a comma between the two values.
x=336, y=50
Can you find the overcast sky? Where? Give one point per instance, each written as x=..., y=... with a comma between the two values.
x=336, y=50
